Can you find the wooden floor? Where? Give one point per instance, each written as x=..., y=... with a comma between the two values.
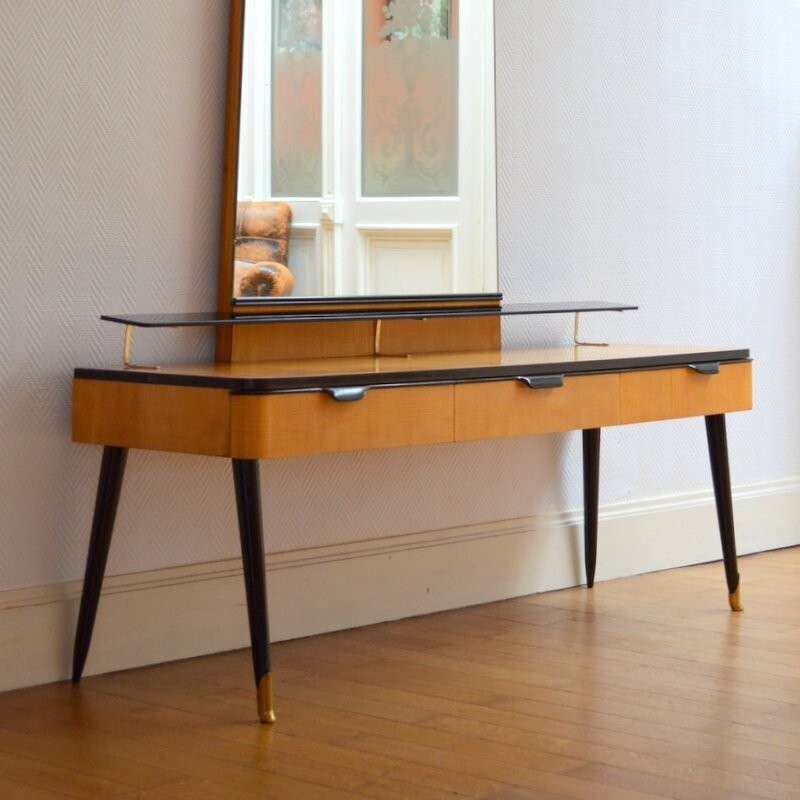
x=646, y=687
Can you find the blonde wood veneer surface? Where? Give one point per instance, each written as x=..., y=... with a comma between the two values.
x=314, y=340
x=212, y=421
x=178, y=419
x=592, y=358
x=272, y=426
x=510, y=408
x=669, y=394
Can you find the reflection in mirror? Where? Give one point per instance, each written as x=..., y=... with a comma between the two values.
x=365, y=149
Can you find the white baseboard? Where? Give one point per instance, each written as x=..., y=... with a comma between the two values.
x=177, y=613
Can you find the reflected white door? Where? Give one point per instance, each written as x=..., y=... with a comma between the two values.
x=381, y=137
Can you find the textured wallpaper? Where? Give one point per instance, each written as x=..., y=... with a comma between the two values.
x=647, y=152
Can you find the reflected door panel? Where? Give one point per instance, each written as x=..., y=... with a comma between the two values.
x=410, y=104
x=297, y=99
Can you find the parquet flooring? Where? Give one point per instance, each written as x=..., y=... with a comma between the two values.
x=641, y=689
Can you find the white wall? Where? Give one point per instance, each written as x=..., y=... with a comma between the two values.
x=648, y=152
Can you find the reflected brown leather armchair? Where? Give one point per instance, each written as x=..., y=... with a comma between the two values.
x=261, y=250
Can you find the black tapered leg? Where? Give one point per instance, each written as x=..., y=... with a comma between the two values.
x=109, y=486
x=720, y=472
x=248, y=503
x=591, y=490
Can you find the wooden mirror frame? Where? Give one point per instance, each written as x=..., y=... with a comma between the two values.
x=293, y=305
x=230, y=157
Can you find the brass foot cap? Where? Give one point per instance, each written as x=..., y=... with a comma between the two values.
x=735, y=600
x=266, y=712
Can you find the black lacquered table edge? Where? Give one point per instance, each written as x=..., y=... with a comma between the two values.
x=388, y=377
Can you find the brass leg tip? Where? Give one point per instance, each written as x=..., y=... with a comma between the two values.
x=735, y=600
x=266, y=712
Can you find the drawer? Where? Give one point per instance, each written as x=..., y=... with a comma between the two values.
x=180, y=419
x=510, y=408
x=303, y=423
x=682, y=392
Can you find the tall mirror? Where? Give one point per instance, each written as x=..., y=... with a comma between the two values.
x=360, y=152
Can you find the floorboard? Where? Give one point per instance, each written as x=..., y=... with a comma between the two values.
x=643, y=688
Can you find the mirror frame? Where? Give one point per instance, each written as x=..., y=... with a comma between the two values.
x=226, y=302
x=230, y=156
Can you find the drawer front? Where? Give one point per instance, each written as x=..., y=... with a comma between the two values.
x=278, y=425
x=510, y=408
x=178, y=419
x=682, y=392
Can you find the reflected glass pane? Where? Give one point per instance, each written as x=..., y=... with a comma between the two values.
x=297, y=99
x=410, y=98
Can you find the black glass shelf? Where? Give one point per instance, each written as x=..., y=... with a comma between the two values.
x=212, y=318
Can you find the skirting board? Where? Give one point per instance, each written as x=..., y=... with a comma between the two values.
x=198, y=609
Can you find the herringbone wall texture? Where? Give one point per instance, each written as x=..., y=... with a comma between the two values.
x=648, y=152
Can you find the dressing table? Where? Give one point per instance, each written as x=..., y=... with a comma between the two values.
x=308, y=376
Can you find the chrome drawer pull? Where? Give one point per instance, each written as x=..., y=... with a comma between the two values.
x=709, y=368
x=347, y=394
x=542, y=381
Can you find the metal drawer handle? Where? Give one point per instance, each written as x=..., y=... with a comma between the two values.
x=542, y=381
x=347, y=394
x=709, y=368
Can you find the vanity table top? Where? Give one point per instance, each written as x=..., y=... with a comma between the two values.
x=424, y=368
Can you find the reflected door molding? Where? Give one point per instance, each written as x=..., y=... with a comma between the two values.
x=411, y=254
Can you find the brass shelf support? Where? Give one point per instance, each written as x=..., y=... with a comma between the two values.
x=576, y=337
x=126, y=352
